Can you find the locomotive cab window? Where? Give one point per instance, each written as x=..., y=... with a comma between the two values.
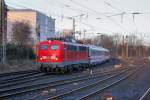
x=43, y=47
x=54, y=47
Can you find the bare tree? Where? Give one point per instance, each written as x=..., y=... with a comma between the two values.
x=122, y=45
x=104, y=41
x=21, y=32
x=117, y=41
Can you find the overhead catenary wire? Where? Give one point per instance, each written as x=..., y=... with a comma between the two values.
x=69, y=7
x=123, y=13
x=17, y=5
x=24, y=7
x=81, y=5
x=95, y=12
x=93, y=27
x=115, y=8
x=90, y=11
x=60, y=16
x=55, y=14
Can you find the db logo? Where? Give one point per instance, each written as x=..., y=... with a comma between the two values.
x=107, y=97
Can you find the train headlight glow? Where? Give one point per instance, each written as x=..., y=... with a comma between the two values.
x=44, y=57
x=56, y=58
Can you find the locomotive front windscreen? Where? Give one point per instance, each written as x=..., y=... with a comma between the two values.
x=54, y=47
x=43, y=47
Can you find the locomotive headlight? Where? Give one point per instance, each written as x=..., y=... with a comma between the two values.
x=41, y=58
x=44, y=57
x=52, y=57
x=56, y=58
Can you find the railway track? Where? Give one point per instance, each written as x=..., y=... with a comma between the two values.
x=146, y=95
x=11, y=78
x=80, y=83
x=9, y=92
x=110, y=84
x=22, y=80
x=17, y=73
x=87, y=90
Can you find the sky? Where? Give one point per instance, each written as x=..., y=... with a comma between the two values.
x=95, y=16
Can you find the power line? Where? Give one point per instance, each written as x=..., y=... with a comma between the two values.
x=107, y=3
x=99, y=14
x=94, y=12
x=69, y=6
x=18, y=5
x=123, y=13
x=24, y=7
x=93, y=27
x=91, y=11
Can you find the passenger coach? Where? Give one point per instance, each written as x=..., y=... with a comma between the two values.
x=97, y=55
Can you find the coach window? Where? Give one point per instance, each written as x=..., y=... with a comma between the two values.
x=100, y=52
x=69, y=47
x=72, y=47
x=79, y=48
x=54, y=47
x=65, y=47
x=83, y=49
x=106, y=53
x=75, y=48
x=43, y=47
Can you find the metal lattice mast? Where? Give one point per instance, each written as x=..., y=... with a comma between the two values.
x=2, y=30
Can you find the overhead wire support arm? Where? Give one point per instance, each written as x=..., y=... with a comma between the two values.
x=99, y=13
x=133, y=15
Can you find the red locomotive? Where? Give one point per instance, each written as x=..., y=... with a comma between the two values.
x=59, y=55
